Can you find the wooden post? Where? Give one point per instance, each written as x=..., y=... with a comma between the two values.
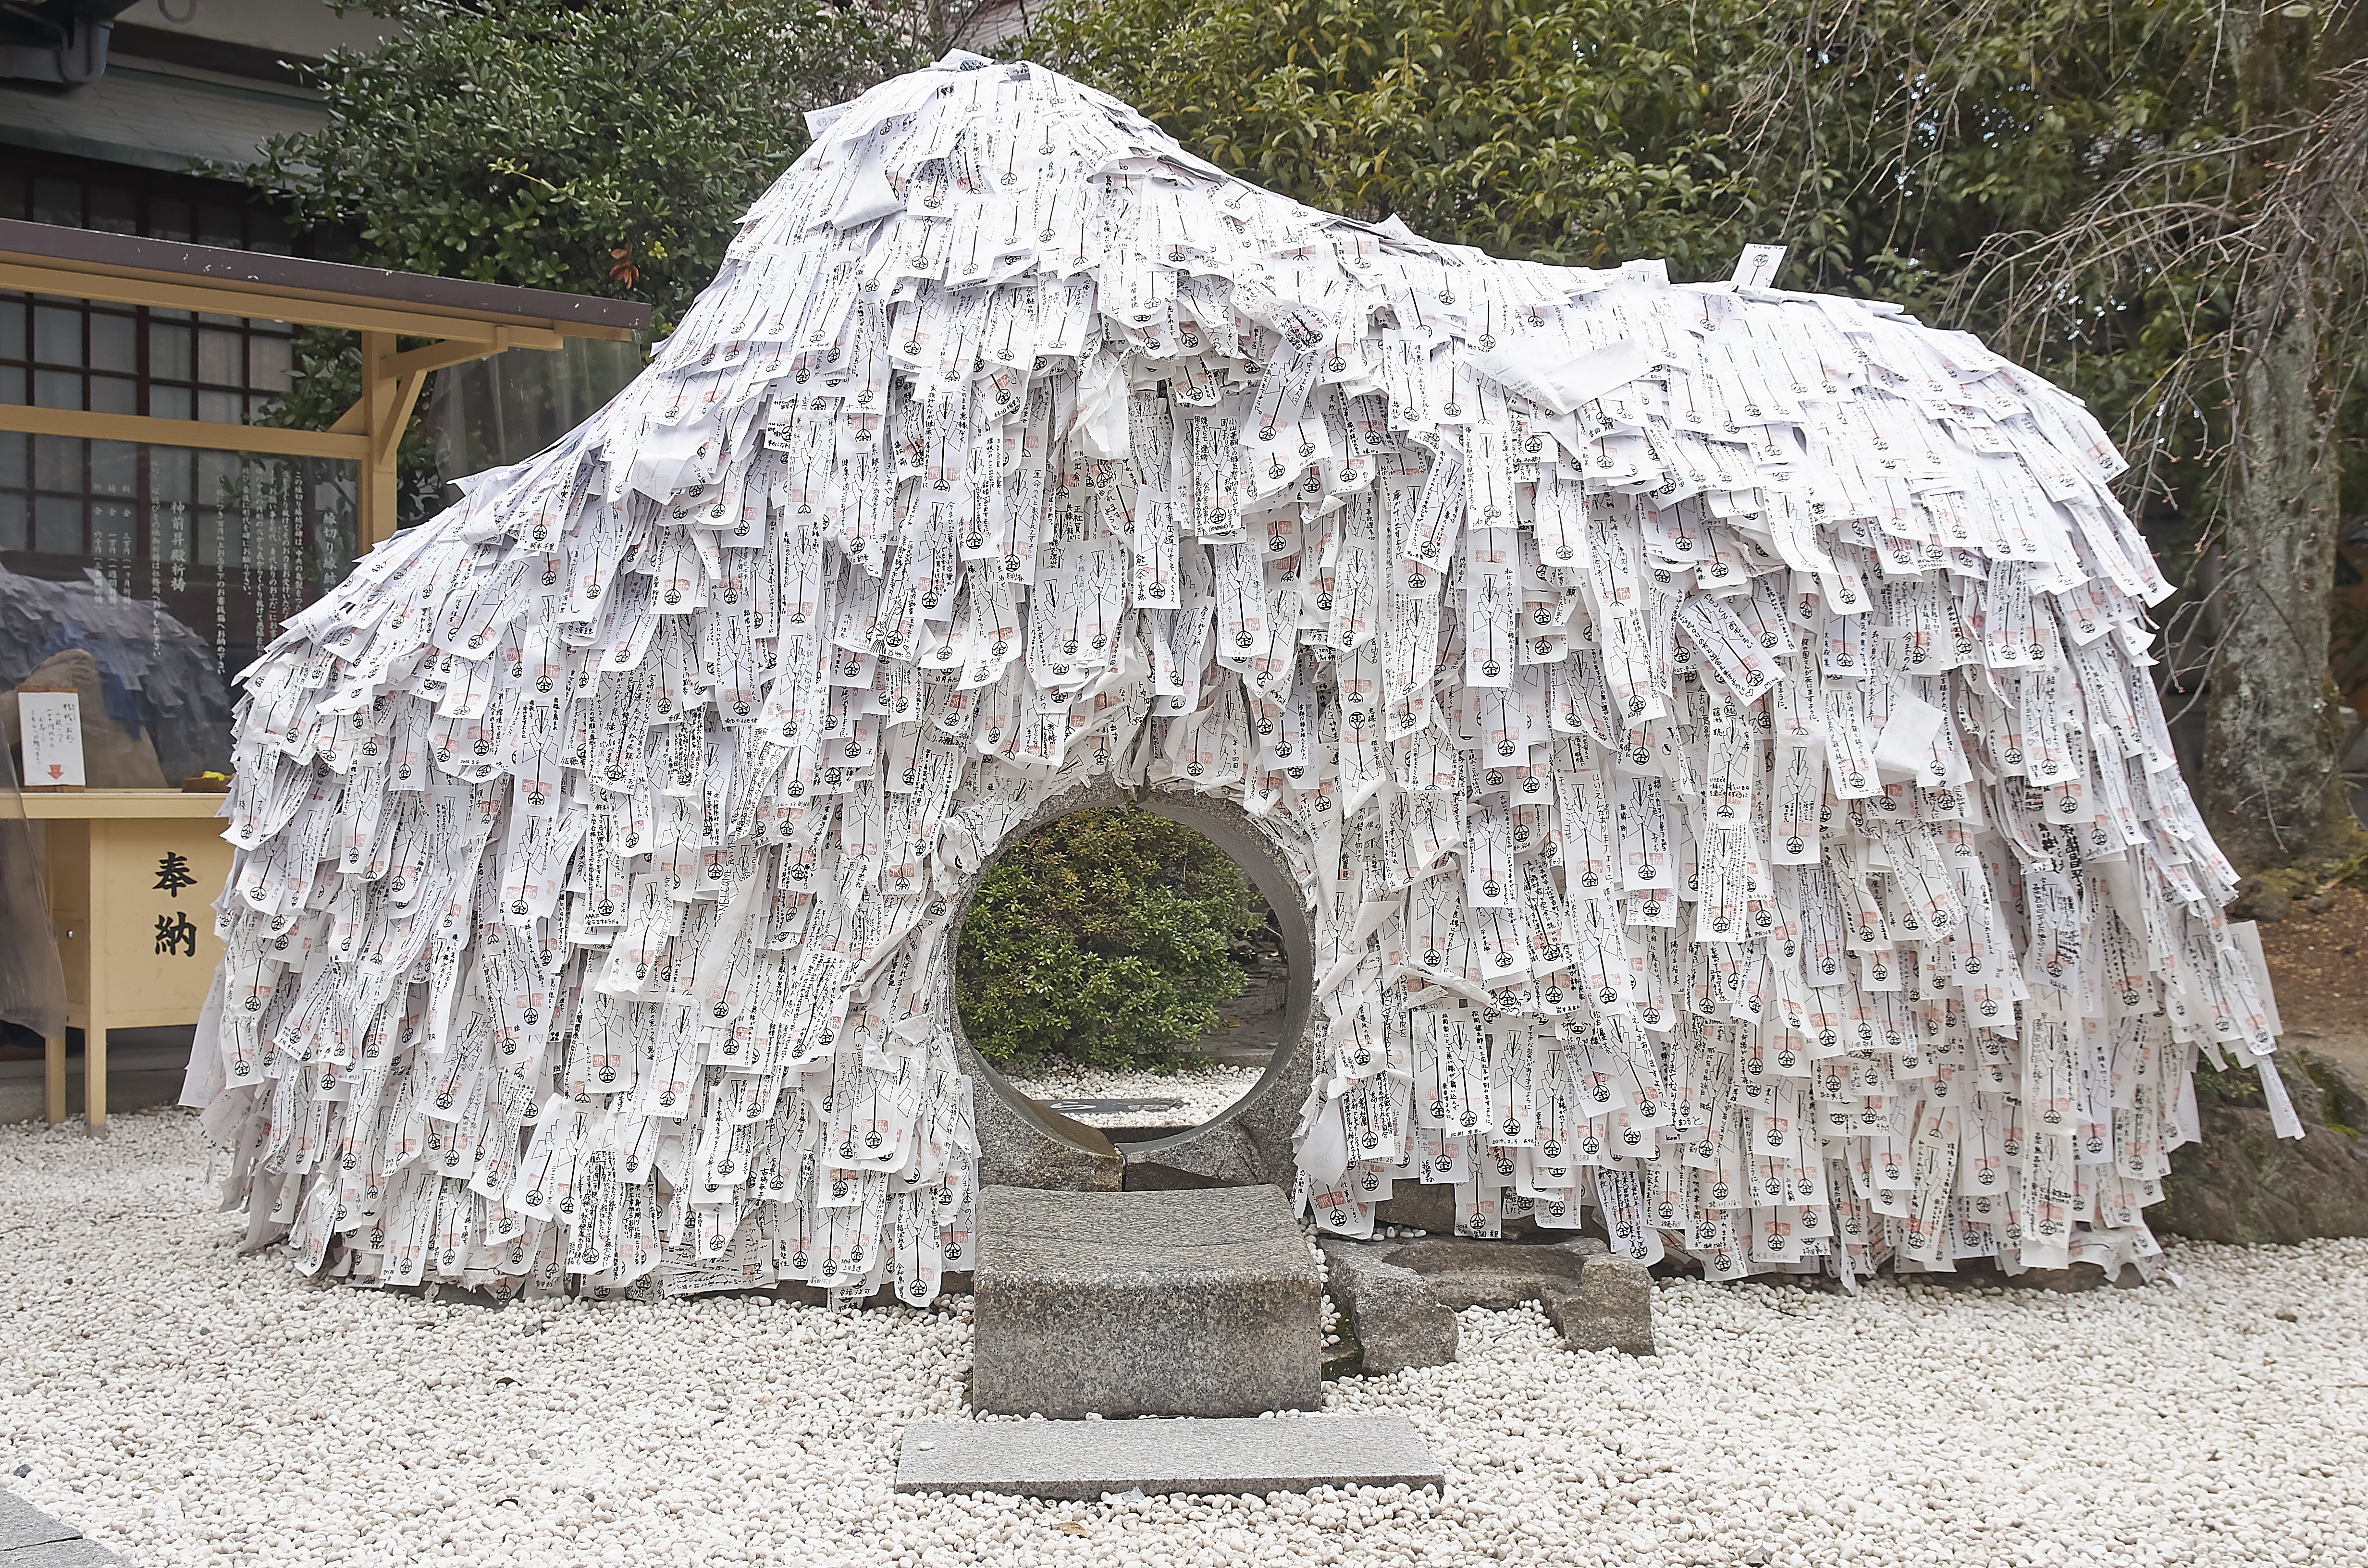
x=53, y=1077
x=128, y=871
x=94, y=985
x=76, y=913
x=390, y=390
x=375, y=482
x=68, y=872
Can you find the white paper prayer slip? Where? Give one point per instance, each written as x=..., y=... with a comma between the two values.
x=1711, y=723
x=50, y=728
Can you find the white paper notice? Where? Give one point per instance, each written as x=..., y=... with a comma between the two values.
x=51, y=722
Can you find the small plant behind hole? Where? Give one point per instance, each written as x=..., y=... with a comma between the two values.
x=1107, y=937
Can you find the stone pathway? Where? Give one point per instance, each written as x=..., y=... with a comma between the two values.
x=1193, y=1095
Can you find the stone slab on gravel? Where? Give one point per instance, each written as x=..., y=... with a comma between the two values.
x=31, y=1538
x=78, y=1552
x=22, y=1524
x=1086, y=1459
x=1144, y=1303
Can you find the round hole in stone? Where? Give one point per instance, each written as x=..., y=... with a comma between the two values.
x=1120, y=969
x=1038, y=1123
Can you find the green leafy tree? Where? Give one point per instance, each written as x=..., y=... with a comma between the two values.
x=2160, y=205
x=599, y=149
x=1105, y=937
x=605, y=149
x=1569, y=130
x=1890, y=145
x=2243, y=258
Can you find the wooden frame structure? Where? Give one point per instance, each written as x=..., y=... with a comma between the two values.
x=103, y=841
x=462, y=320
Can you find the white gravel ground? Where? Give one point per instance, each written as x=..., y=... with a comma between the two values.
x=1204, y=1089
x=183, y=1405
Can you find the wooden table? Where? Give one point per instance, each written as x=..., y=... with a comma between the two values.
x=131, y=874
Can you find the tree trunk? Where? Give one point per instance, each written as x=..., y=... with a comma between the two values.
x=2271, y=793
x=2269, y=771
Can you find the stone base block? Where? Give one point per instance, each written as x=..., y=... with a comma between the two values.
x=1401, y=1297
x=1144, y=1303
x=1611, y=1309
x=1397, y=1321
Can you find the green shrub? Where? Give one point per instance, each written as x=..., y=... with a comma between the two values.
x=1107, y=937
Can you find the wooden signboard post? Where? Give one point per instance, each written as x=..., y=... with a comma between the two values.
x=131, y=875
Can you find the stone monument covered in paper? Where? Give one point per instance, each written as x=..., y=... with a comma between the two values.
x=1712, y=726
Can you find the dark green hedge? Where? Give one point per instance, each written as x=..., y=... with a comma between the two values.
x=1105, y=937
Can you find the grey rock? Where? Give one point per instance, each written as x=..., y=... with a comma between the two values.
x=1217, y=1159
x=1390, y=1311
x=112, y=758
x=1086, y=1459
x=2243, y=1183
x=1022, y=1145
x=1418, y=1206
x=1611, y=1309
x=1493, y=1288
x=1396, y=1295
x=1143, y=1303
x=1249, y=1141
x=1495, y=1275
x=22, y=1524
x=1456, y=1255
